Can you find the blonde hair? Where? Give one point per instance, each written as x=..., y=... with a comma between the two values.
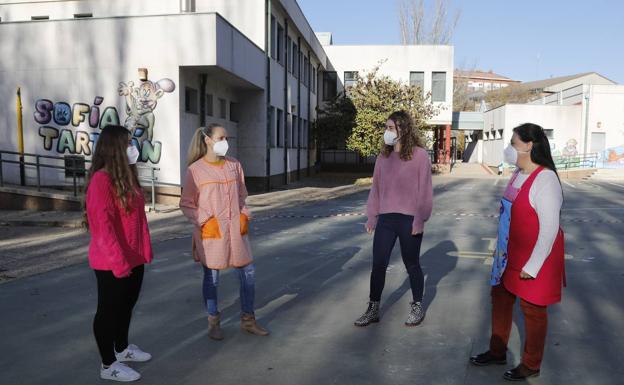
x=198, y=147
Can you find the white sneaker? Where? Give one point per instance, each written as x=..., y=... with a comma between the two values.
x=133, y=354
x=119, y=372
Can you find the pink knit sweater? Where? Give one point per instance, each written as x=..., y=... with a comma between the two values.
x=120, y=241
x=402, y=187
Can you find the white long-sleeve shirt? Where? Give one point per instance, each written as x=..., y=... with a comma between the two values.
x=546, y=197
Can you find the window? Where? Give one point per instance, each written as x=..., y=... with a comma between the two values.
x=350, y=78
x=314, y=80
x=190, y=100
x=209, y=105
x=279, y=134
x=438, y=86
x=272, y=128
x=222, y=108
x=273, y=38
x=417, y=79
x=295, y=131
x=82, y=15
x=304, y=134
x=306, y=72
x=280, y=44
x=288, y=131
x=329, y=85
x=234, y=112
x=289, y=44
x=295, y=59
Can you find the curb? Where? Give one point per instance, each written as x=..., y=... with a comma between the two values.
x=64, y=224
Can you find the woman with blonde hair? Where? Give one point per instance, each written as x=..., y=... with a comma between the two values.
x=399, y=204
x=213, y=199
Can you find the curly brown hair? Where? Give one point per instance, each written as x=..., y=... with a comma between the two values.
x=409, y=136
x=110, y=156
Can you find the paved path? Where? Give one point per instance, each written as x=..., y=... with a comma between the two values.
x=312, y=281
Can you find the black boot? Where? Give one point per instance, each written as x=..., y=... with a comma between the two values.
x=370, y=315
x=488, y=358
x=520, y=373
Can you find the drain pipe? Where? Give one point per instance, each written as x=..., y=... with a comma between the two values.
x=268, y=43
x=586, y=121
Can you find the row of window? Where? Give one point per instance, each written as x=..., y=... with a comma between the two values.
x=498, y=134
x=47, y=17
x=288, y=53
x=416, y=79
x=296, y=132
x=191, y=105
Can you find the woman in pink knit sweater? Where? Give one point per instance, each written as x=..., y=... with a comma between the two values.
x=399, y=204
x=119, y=247
x=213, y=199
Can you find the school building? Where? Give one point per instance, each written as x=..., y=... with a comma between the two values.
x=163, y=68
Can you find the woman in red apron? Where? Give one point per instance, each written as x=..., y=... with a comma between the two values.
x=529, y=256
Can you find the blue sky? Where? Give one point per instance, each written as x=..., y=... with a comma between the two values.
x=521, y=39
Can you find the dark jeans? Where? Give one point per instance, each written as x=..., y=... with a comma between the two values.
x=389, y=228
x=116, y=299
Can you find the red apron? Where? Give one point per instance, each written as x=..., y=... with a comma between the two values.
x=545, y=289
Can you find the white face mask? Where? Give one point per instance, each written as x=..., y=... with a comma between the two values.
x=221, y=147
x=133, y=154
x=510, y=155
x=390, y=138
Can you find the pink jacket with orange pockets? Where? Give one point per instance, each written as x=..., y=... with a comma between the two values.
x=213, y=199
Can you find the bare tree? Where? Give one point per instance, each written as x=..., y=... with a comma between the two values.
x=415, y=26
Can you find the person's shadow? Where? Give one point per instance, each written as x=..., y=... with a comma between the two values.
x=436, y=264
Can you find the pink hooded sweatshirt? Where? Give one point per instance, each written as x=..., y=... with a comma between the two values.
x=120, y=240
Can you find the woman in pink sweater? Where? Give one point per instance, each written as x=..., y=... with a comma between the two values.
x=213, y=199
x=119, y=247
x=399, y=204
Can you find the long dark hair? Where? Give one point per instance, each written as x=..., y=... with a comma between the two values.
x=110, y=156
x=409, y=136
x=540, y=153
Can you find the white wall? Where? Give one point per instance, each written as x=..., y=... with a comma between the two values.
x=400, y=61
x=22, y=10
x=606, y=114
x=76, y=60
x=565, y=121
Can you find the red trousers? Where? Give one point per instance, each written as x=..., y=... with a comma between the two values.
x=535, y=324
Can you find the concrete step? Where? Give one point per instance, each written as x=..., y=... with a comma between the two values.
x=608, y=174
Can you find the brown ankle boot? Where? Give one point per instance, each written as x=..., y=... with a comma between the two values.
x=214, y=327
x=248, y=324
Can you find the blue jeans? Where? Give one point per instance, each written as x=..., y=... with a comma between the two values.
x=247, y=278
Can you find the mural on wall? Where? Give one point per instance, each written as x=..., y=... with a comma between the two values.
x=612, y=157
x=570, y=149
x=60, y=122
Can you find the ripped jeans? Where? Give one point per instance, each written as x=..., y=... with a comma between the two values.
x=247, y=278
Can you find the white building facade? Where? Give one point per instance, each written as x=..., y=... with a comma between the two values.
x=254, y=66
x=586, y=119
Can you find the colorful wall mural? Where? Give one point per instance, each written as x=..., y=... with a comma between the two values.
x=612, y=157
x=74, y=129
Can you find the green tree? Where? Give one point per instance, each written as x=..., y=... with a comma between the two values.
x=374, y=98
